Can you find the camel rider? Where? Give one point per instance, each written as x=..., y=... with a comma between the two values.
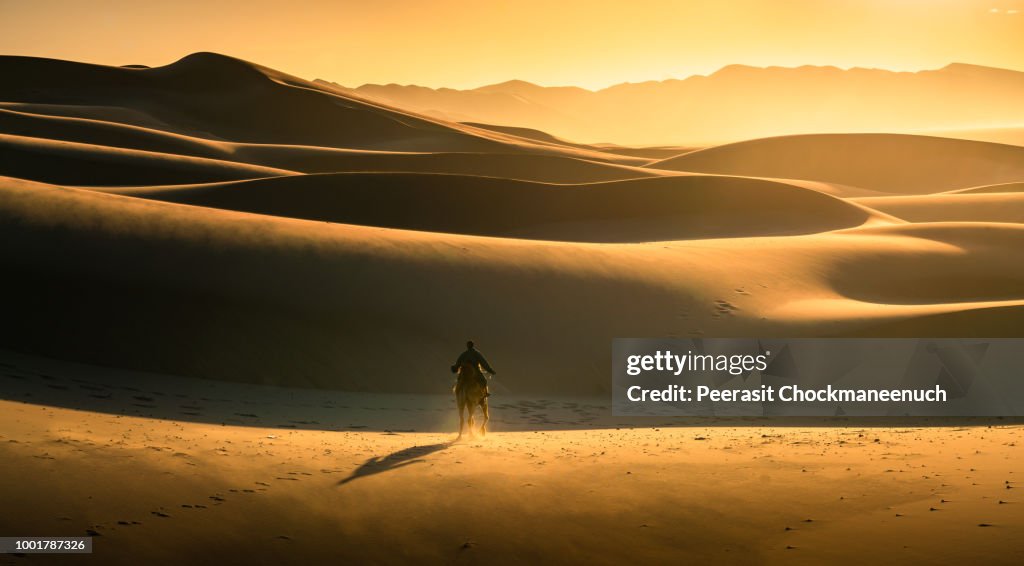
x=473, y=357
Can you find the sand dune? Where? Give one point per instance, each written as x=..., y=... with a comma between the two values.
x=307, y=159
x=265, y=106
x=269, y=299
x=298, y=266
x=317, y=254
x=88, y=164
x=1013, y=135
x=219, y=97
x=666, y=208
x=915, y=252
x=650, y=152
x=979, y=206
x=107, y=131
x=997, y=188
x=524, y=166
x=95, y=112
x=900, y=164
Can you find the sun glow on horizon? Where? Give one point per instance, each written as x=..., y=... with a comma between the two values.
x=459, y=44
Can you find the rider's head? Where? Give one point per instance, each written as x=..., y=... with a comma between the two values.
x=469, y=344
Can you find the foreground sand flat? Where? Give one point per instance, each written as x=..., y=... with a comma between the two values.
x=316, y=476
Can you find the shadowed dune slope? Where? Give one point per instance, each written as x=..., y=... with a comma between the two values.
x=218, y=97
x=87, y=164
x=207, y=292
x=221, y=294
x=651, y=153
x=305, y=159
x=223, y=98
x=521, y=166
x=528, y=133
x=665, y=208
x=106, y=132
x=919, y=266
x=98, y=112
x=894, y=163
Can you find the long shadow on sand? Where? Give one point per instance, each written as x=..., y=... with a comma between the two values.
x=393, y=461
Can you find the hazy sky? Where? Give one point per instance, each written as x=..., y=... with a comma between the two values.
x=467, y=44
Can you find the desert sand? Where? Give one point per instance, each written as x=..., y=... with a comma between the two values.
x=178, y=469
x=234, y=296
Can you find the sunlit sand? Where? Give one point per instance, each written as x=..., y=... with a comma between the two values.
x=295, y=267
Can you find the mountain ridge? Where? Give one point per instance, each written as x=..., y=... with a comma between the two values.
x=960, y=66
x=733, y=103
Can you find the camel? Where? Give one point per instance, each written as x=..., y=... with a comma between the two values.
x=470, y=391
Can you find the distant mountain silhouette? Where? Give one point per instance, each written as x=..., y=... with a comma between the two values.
x=736, y=102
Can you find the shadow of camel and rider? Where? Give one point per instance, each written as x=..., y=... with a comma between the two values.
x=395, y=460
x=471, y=393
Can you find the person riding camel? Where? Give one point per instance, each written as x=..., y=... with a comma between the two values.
x=473, y=357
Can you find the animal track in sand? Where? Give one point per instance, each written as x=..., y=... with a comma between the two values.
x=723, y=307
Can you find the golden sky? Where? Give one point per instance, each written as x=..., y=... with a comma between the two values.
x=463, y=44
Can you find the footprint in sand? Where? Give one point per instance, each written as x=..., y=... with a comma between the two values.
x=723, y=307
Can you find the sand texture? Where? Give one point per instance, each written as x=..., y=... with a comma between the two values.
x=256, y=285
